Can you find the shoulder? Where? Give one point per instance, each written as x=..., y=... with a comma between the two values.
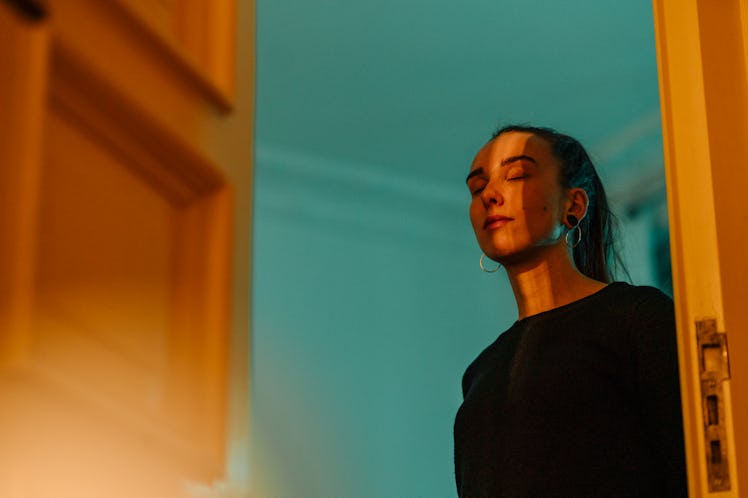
x=621, y=305
x=637, y=313
x=651, y=319
x=495, y=353
x=638, y=291
x=640, y=299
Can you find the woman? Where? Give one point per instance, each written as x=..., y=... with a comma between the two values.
x=580, y=396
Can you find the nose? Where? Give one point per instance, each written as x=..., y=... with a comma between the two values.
x=492, y=195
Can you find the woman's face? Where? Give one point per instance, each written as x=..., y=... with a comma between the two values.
x=517, y=202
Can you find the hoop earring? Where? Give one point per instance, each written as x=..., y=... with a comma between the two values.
x=578, y=237
x=498, y=266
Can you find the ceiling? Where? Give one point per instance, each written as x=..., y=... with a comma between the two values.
x=410, y=89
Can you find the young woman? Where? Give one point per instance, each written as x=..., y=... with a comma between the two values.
x=580, y=396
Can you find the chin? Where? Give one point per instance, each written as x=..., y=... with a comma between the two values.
x=500, y=255
x=501, y=249
x=507, y=256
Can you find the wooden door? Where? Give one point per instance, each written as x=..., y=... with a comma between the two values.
x=124, y=187
x=702, y=49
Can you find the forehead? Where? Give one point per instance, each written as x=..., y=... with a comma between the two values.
x=511, y=144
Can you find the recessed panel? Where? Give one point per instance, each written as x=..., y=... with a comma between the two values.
x=158, y=15
x=201, y=31
x=104, y=267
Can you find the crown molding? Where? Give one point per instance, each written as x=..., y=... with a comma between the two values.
x=349, y=198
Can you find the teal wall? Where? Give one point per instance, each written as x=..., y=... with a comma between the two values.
x=368, y=302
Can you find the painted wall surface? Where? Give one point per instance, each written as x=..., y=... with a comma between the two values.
x=368, y=302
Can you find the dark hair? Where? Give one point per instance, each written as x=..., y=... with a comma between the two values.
x=596, y=254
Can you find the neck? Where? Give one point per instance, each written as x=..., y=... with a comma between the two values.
x=548, y=279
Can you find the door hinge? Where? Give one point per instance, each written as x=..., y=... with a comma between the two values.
x=30, y=9
x=714, y=369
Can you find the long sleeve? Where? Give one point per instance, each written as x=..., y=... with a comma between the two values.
x=658, y=385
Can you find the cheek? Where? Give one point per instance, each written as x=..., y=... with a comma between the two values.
x=534, y=201
x=476, y=210
x=539, y=209
x=540, y=198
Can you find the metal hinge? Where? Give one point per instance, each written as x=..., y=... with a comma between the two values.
x=30, y=9
x=714, y=369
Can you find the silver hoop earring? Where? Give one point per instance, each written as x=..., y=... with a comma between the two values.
x=482, y=267
x=578, y=237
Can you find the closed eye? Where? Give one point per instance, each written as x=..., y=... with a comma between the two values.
x=477, y=185
x=517, y=173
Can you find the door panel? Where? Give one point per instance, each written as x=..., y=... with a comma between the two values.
x=116, y=257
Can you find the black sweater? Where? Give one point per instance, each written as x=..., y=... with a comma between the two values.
x=581, y=400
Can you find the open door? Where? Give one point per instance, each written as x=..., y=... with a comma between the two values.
x=702, y=59
x=124, y=246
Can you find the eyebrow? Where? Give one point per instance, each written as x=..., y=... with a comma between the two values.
x=476, y=171
x=514, y=159
x=504, y=162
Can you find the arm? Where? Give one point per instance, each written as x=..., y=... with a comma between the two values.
x=659, y=387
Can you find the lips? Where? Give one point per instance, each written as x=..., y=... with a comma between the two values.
x=496, y=221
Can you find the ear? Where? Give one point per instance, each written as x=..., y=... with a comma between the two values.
x=576, y=205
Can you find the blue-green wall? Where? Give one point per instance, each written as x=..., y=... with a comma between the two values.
x=368, y=304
